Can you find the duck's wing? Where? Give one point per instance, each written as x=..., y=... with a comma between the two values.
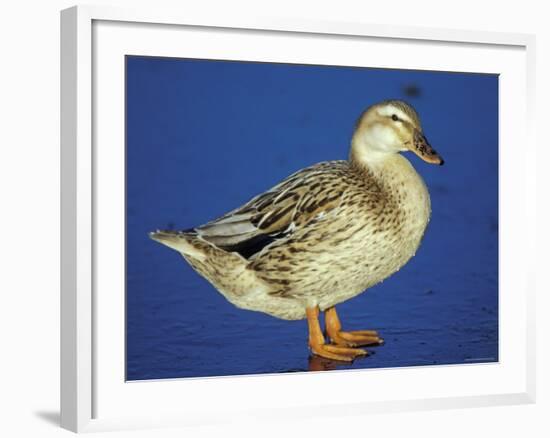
x=304, y=196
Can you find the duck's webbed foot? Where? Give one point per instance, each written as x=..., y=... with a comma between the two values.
x=320, y=348
x=349, y=339
x=336, y=352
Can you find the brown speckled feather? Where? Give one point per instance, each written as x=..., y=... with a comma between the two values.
x=300, y=200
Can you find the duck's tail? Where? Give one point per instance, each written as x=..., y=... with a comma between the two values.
x=180, y=241
x=225, y=270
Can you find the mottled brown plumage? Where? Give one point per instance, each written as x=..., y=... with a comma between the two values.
x=326, y=233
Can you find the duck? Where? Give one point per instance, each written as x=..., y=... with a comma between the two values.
x=324, y=234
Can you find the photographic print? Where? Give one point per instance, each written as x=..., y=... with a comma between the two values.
x=287, y=218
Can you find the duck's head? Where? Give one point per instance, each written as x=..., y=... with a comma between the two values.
x=390, y=127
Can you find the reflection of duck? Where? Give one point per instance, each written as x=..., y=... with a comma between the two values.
x=318, y=363
x=324, y=234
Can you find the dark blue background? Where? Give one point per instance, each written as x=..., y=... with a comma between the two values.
x=203, y=137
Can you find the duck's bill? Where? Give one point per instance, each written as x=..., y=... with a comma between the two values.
x=423, y=149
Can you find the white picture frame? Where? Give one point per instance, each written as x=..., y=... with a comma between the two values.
x=94, y=398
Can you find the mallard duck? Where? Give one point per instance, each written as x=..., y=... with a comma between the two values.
x=324, y=234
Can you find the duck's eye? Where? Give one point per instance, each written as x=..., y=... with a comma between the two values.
x=394, y=118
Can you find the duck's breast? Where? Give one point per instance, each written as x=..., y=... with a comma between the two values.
x=387, y=234
x=403, y=220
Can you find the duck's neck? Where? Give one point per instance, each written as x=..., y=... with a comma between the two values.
x=392, y=171
x=396, y=176
x=372, y=160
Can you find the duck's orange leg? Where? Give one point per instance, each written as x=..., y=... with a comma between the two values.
x=318, y=345
x=349, y=339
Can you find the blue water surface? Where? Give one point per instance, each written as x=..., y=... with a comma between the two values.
x=203, y=137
